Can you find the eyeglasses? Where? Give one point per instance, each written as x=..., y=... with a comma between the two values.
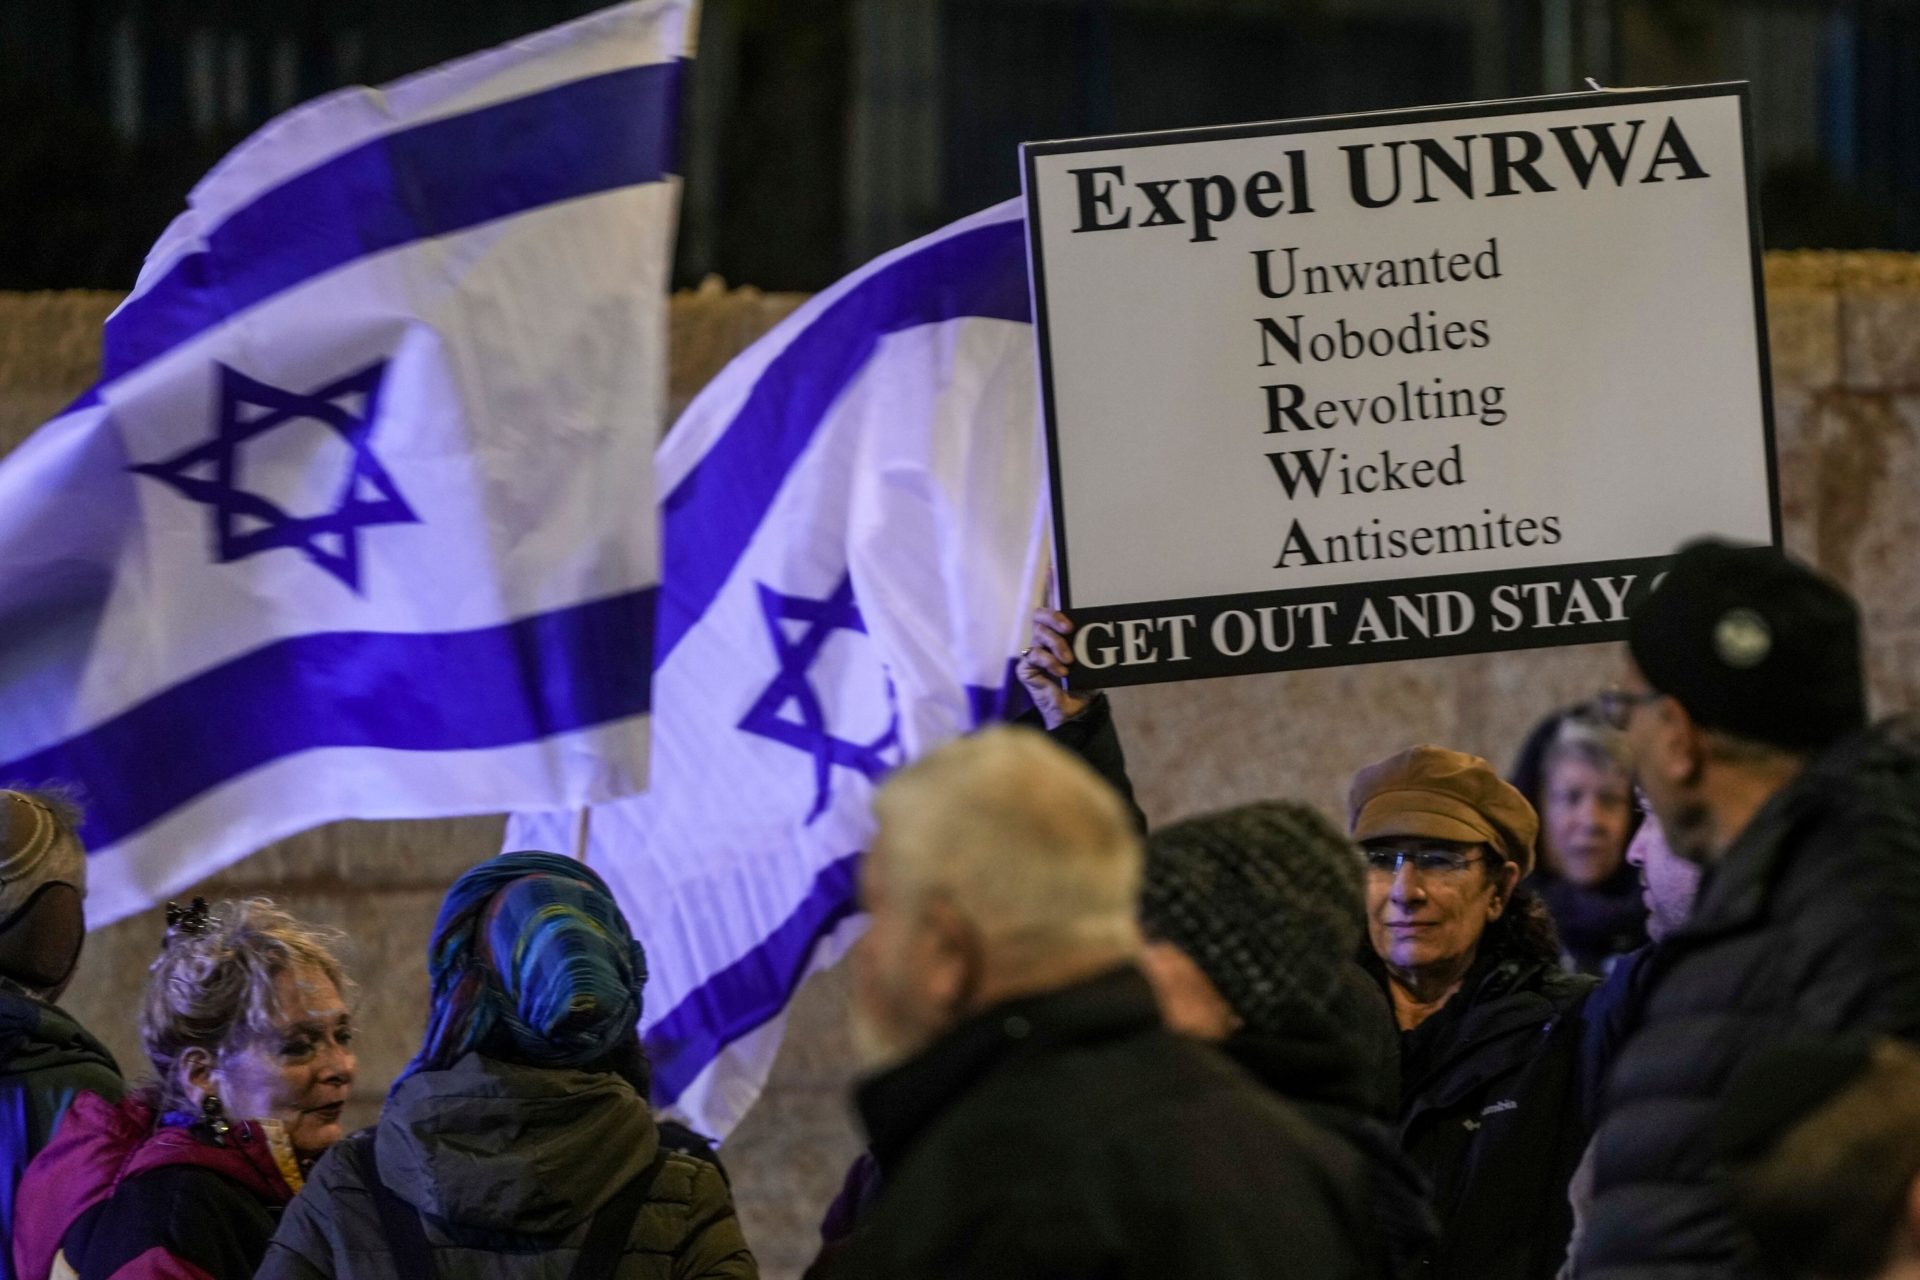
x=1614, y=707
x=1428, y=862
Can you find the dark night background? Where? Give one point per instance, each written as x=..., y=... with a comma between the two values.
x=821, y=132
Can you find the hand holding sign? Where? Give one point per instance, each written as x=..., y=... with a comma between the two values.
x=1045, y=667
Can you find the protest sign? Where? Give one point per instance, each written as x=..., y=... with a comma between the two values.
x=1396, y=385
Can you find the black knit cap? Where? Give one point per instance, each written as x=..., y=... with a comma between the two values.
x=1266, y=899
x=1753, y=643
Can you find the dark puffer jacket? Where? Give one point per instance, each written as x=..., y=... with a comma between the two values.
x=1809, y=924
x=46, y=1061
x=1491, y=1111
x=507, y=1164
x=1070, y=1135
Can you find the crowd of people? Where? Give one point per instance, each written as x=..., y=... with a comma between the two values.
x=1636, y=1011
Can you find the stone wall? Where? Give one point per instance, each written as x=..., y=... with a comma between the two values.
x=1846, y=361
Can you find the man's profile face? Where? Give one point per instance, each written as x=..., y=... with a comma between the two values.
x=1639, y=728
x=1666, y=765
x=907, y=976
x=1669, y=884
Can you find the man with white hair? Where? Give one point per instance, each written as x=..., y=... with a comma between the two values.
x=1033, y=1117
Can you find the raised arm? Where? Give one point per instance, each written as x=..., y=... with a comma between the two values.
x=1075, y=715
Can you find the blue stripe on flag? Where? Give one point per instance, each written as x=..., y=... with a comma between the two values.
x=586, y=664
x=713, y=513
x=712, y=516
x=1008, y=702
x=741, y=997
x=587, y=136
x=752, y=989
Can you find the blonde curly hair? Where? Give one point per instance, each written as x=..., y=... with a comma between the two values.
x=213, y=984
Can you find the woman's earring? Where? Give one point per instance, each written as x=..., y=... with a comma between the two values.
x=215, y=1116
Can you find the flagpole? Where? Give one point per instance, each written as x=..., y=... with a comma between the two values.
x=580, y=834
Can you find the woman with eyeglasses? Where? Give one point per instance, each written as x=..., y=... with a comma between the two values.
x=1490, y=1024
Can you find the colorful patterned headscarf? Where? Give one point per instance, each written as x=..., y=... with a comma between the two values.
x=532, y=946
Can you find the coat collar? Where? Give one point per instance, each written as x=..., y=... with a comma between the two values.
x=36, y=1035
x=1494, y=1022
x=507, y=1147
x=1734, y=891
x=1316, y=1066
x=247, y=1154
x=1737, y=888
x=900, y=1104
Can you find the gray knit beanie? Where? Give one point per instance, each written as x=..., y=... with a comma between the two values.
x=1266, y=899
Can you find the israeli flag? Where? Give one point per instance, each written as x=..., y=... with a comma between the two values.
x=854, y=531
x=357, y=522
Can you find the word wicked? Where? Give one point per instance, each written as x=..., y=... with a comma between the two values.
x=1465, y=166
x=1300, y=471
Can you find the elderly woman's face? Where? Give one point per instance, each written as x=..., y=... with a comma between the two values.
x=1586, y=811
x=1427, y=917
x=301, y=1074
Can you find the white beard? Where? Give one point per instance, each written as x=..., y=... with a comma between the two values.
x=874, y=1046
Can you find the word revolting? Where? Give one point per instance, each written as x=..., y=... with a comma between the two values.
x=1470, y=166
x=1287, y=404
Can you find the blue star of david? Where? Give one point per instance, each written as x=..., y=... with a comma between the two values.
x=367, y=495
x=837, y=612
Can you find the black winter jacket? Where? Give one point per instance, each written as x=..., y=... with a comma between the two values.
x=1810, y=923
x=1317, y=1071
x=1491, y=1113
x=1093, y=737
x=46, y=1061
x=1069, y=1135
x=1609, y=1012
x=505, y=1166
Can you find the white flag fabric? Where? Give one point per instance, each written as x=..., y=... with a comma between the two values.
x=357, y=521
x=854, y=521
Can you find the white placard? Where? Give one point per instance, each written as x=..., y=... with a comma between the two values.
x=1360, y=388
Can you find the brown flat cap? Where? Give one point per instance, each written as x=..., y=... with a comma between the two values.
x=1437, y=794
